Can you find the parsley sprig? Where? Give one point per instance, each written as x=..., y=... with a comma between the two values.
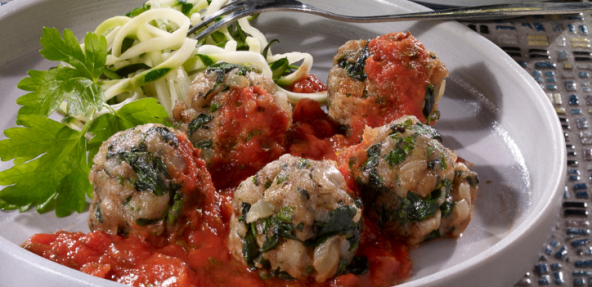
x=50, y=159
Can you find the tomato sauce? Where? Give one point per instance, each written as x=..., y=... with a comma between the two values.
x=397, y=69
x=251, y=133
x=200, y=258
x=197, y=254
x=308, y=85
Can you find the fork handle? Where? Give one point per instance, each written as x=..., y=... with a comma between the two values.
x=487, y=11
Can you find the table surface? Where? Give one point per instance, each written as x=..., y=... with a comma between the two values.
x=556, y=51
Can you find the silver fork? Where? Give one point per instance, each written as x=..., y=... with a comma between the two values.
x=242, y=8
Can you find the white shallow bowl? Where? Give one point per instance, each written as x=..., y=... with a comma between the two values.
x=493, y=115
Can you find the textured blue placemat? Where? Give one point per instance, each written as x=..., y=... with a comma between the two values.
x=556, y=51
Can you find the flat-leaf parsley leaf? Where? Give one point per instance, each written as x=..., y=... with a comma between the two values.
x=59, y=171
x=77, y=85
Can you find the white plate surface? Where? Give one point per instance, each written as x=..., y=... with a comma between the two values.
x=493, y=114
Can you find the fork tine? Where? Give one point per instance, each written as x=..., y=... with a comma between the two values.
x=226, y=20
x=227, y=10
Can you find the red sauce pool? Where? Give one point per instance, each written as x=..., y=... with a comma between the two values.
x=308, y=85
x=197, y=254
x=251, y=134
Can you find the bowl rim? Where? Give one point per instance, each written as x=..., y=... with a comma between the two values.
x=543, y=212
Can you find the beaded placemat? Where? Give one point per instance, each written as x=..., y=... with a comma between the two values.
x=556, y=51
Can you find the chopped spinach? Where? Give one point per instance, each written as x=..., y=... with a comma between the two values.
x=472, y=182
x=271, y=242
x=174, y=211
x=221, y=68
x=198, y=122
x=267, y=183
x=127, y=200
x=204, y=144
x=304, y=192
x=429, y=102
x=166, y=135
x=356, y=70
x=395, y=156
x=303, y=163
x=148, y=169
x=401, y=128
x=414, y=209
x=214, y=107
x=282, y=177
x=446, y=208
x=373, y=156
x=340, y=222
x=245, y=209
x=255, y=182
x=427, y=130
x=285, y=214
x=98, y=213
x=144, y=221
x=250, y=248
x=282, y=274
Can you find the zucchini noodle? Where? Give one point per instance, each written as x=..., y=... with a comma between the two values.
x=150, y=54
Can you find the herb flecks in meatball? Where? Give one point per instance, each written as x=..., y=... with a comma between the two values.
x=237, y=118
x=410, y=183
x=143, y=179
x=374, y=82
x=295, y=219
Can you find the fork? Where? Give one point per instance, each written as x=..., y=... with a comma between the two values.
x=234, y=10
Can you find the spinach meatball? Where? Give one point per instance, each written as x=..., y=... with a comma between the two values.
x=410, y=183
x=237, y=118
x=374, y=82
x=295, y=219
x=143, y=180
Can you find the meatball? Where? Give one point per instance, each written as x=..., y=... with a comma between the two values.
x=143, y=180
x=374, y=82
x=237, y=118
x=410, y=183
x=295, y=219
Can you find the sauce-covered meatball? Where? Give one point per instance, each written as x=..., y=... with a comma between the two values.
x=295, y=219
x=143, y=180
x=374, y=82
x=410, y=183
x=237, y=118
